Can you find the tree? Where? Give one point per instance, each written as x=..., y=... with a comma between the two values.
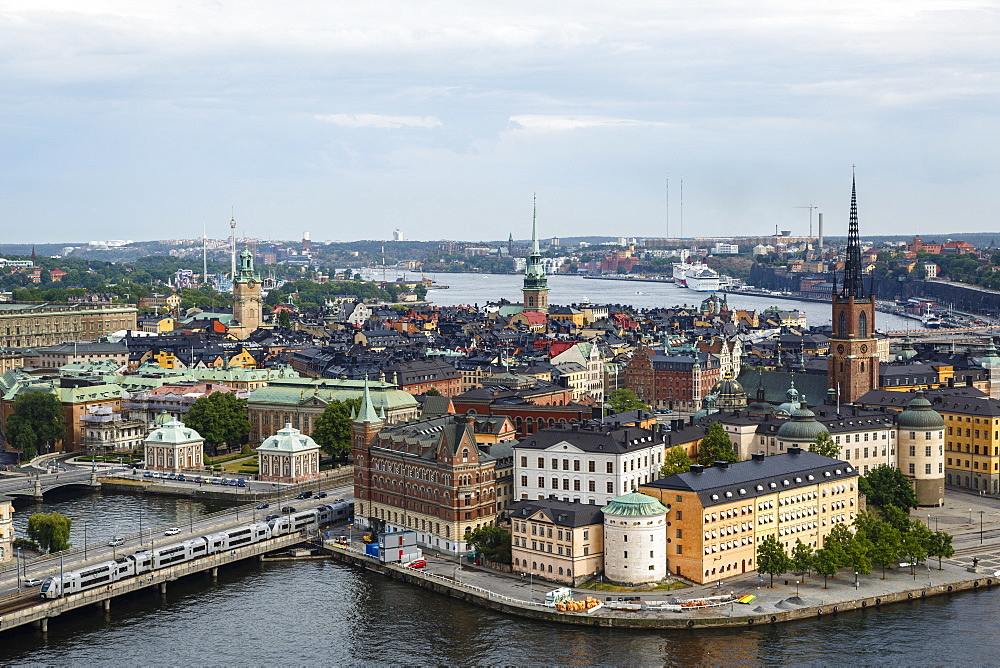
x=771, y=557
x=886, y=486
x=826, y=562
x=623, y=400
x=915, y=544
x=219, y=418
x=851, y=550
x=284, y=320
x=824, y=445
x=37, y=420
x=433, y=392
x=492, y=542
x=50, y=531
x=333, y=428
x=939, y=545
x=802, y=557
x=716, y=446
x=420, y=290
x=675, y=461
x=886, y=540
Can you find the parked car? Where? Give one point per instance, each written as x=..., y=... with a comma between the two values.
x=172, y=531
x=31, y=582
x=233, y=482
x=241, y=483
x=417, y=563
x=180, y=477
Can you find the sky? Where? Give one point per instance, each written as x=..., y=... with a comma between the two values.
x=152, y=120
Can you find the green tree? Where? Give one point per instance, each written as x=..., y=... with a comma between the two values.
x=50, y=531
x=433, y=392
x=623, y=400
x=855, y=549
x=219, y=418
x=676, y=460
x=37, y=420
x=915, y=544
x=826, y=562
x=420, y=290
x=771, y=557
x=886, y=486
x=824, y=445
x=333, y=428
x=939, y=545
x=492, y=542
x=886, y=540
x=284, y=320
x=802, y=557
x=716, y=446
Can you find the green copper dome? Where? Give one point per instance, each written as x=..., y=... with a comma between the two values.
x=920, y=415
x=802, y=427
x=634, y=505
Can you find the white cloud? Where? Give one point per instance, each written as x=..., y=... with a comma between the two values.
x=546, y=123
x=380, y=121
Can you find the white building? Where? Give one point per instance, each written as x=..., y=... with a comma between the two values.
x=635, y=539
x=725, y=249
x=590, y=356
x=288, y=456
x=172, y=447
x=6, y=530
x=590, y=463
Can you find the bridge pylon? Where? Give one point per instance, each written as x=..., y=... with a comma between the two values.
x=37, y=492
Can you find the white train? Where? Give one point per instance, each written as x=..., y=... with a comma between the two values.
x=144, y=561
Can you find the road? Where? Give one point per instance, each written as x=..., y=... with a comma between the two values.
x=9, y=578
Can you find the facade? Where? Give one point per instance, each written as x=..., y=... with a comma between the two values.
x=557, y=540
x=635, y=540
x=427, y=475
x=172, y=447
x=106, y=432
x=588, y=463
x=300, y=402
x=60, y=355
x=677, y=381
x=921, y=450
x=536, y=286
x=972, y=441
x=247, y=301
x=175, y=399
x=590, y=357
x=24, y=325
x=718, y=515
x=288, y=456
x=6, y=530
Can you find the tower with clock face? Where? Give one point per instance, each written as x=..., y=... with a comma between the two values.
x=247, y=301
x=852, y=364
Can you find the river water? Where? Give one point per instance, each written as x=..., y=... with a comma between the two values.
x=480, y=288
x=322, y=613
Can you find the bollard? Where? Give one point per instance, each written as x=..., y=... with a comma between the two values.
x=106, y=604
x=163, y=588
x=43, y=624
x=215, y=572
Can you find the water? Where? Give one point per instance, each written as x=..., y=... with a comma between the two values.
x=480, y=288
x=324, y=613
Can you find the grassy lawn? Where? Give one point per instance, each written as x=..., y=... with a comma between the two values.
x=244, y=465
x=603, y=586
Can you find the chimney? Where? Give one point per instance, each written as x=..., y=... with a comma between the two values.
x=721, y=465
x=794, y=450
x=951, y=382
x=820, y=240
x=757, y=457
x=697, y=468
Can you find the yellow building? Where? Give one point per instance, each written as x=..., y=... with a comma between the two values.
x=561, y=541
x=717, y=515
x=972, y=442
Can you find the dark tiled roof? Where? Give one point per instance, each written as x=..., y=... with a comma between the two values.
x=592, y=438
x=562, y=513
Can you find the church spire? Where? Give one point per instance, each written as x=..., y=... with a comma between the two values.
x=853, y=283
x=367, y=412
x=534, y=225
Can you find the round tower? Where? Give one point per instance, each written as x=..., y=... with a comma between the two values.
x=921, y=450
x=635, y=539
x=801, y=429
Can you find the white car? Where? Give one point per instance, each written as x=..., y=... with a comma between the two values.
x=116, y=541
x=32, y=582
x=172, y=531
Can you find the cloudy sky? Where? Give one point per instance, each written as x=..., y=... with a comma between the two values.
x=149, y=119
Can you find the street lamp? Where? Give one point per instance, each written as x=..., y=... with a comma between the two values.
x=84, y=540
x=981, y=513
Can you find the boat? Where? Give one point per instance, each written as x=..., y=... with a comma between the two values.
x=703, y=279
x=930, y=319
x=680, y=273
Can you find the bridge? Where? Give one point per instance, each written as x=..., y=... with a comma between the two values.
x=19, y=607
x=36, y=486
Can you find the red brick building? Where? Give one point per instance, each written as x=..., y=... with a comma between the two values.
x=675, y=381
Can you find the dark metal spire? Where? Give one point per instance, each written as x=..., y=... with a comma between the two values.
x=853, y=283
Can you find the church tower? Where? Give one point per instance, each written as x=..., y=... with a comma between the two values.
x=365, y=427
x=852, y=365
x=247, y=302
x=536, y=286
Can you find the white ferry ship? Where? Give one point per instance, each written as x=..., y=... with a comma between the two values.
x=703, y=279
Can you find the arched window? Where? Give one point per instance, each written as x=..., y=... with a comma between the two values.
x=863, y=325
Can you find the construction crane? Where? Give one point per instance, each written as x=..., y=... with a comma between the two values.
x=810, y=207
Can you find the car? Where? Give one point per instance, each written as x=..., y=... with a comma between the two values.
x=262, y=505
x=271, y=517
x=147, y=474
x=417, y=563
x=304, y=495
x=321, y=495
x=116, y=541
x=215, y=481
x=172, y=531
x=172, y=476
x=287, y=509
x=31, y=582
x=180, y=477
x=141, y=550
x=241, y=482
x=233, y=482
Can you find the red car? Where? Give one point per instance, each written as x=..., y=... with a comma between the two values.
x=418, y=563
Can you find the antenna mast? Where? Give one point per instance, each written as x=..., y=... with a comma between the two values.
x=668, y=205
x=682, y=208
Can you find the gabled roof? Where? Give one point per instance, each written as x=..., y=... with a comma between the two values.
x=561, y=513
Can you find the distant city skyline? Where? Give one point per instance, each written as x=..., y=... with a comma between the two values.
x=142, y=121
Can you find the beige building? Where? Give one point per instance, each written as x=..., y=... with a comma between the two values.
x=288, y=456
x=561, y=541
x=25, y=325
x=106, y=432
x=6, y=530
x=172, y=447
x=61, y=354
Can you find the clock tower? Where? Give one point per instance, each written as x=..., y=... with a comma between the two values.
x=247, y=302
x=536, y=286
x=852, y=364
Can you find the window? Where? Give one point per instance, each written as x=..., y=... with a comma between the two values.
x=576, y=485
x=541, y=482
x=679, y=550
x=586, y=550
x=565, y=465
x=555, y=464
x=541, y=463
x=591, y=465
x=524, y=481
x=524, y=462
x=913, y=448
x=611, y=467
x=566, y=484
x=912, y=468
x=927, y=469
x=678, y=534
x=586, y=534
x=626, y=553
x=591, y=486
x=555, y=483
x=927, y=449
x=576, y=464
x=611, y=488
x=678, y=516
